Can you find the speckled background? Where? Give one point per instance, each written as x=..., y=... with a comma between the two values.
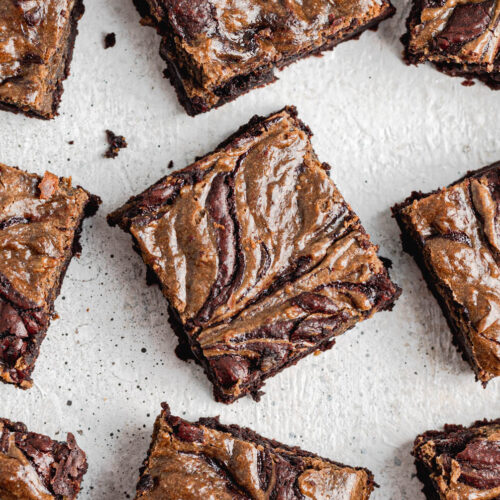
x=109, y=360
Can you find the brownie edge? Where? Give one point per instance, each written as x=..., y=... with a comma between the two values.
x=460, y=462
x=229, y=462
x=35, y=467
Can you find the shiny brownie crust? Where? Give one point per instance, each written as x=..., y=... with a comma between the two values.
x=177, y=21
x=456, y=313
x=466, y=24
x=462, y=462
x=279, y=466
x=35, y=466
x=306, y=306
x=23, y=323
x=57, y=74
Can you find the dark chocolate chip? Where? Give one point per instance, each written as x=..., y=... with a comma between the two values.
x=467, y=22
x=230, y=369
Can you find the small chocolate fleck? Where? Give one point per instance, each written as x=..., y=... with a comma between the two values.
x=109, y=40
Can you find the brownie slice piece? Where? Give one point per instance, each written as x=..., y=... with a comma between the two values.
x=459, y=38
x=34, y=467
x=206, y=459
x=261, y=259
x=454, y=235
x=36, y=47
x=217, y=50
x=40, y=221
x=460, y=463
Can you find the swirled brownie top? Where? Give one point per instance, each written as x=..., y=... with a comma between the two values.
x=189, y=461
x=34, y=467
x=257, y=252
x=461, y=37
x=40, y=218
x=219, y=49
x=36, y=40
x=458, y=230
x=461, y=463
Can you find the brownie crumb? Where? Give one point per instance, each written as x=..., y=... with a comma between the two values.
x=109, y=40
x=170, y=164
x=71, y=143
x=468, y=83
x=116, y=142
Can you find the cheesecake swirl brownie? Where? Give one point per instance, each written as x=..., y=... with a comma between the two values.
x=36, y=47
x=205, y=459
x=217, y=50
x=454, y=235
x=460, y=463
x=40, y=221
x=461, y=37
x=260, y=257
x=34, y=467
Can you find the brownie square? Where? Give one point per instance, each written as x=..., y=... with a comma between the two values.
x=40, y=222
x=217, y=50
x=33, y=466
x=207, y=459
x=260, y=258
x=459, y=38
x=454, y=235
x=36, y=47
x=460, y=462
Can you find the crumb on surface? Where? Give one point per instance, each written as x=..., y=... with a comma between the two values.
x=109, y=40
x=116, y=142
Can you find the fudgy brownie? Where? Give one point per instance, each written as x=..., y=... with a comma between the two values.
x=34, y=467
x=36, y=47
x=454, y=235
x=459, y=38
x=261, y=259
x=206, y=459
x=460, y=463
x=217, y=50
x=40, y=222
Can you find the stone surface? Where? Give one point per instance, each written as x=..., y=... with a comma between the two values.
x=384, y=127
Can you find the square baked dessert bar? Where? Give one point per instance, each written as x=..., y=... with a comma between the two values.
x=461, y=38
x=36, y=47
x=261, y=259
x=206, y=459
x=34, y=467
x=460, y=463
x=40, y=222
x=217, y=50
x=454, y=235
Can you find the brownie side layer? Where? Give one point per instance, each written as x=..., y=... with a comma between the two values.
x=61, y=72
x=465, y=25
x=455, y=313
x=280, y=471
x=462, y=462
x=35, y=467
x=23, y=323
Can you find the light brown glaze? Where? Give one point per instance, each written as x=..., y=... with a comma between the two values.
x=446, y=33
x=459, y=230
x=33, y=46
x=194, y=461
x=214, y=41
x=462, y=463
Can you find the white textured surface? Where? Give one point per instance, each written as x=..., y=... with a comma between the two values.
x=386, y=128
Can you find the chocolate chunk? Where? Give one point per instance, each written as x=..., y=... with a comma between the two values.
x=480, y=464
x=230, y=369
x=192, y=17
x=10, y=321
x=467, y=22
x=187, y=432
